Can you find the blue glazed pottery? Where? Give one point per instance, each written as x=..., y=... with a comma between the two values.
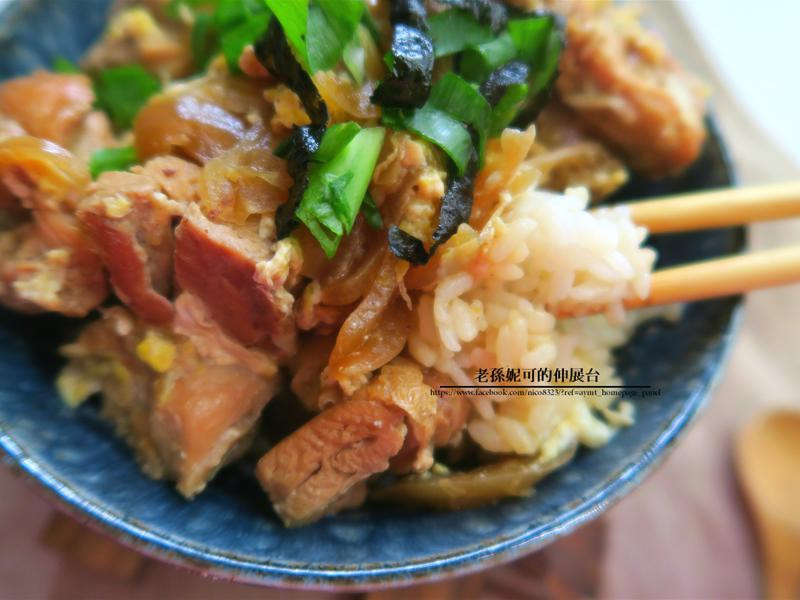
x=230, y=531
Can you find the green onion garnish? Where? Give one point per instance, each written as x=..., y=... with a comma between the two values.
x=336, y=188
x=454, y=30
x=123, y=91
x=112, y=159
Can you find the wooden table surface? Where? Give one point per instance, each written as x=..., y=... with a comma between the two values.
x=684, y=534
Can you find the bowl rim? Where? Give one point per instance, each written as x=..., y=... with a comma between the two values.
x=392, y=574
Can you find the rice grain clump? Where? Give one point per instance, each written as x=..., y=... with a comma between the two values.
x=493, y=305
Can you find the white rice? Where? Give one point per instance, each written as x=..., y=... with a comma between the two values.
x=494, y=303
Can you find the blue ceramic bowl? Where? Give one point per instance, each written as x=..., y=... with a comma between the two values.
x=230, y=531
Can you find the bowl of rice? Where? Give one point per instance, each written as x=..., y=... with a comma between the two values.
x=612, y=393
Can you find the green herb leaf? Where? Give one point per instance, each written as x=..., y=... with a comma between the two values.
x=454, y=30
x=112, y=159
x=335, y=139
x=65, y=66
x=337, y=188
x=123, y=91
x=371, y=213
x=462, y=101
x=293, y=17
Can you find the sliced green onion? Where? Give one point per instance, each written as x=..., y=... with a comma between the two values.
x=438, y=127
x=454, y=30
x=203, y=43
x=235, y=39
x=112, y=159
x=507, y=108
x=293, y=17
x=336, y=189
x=479, y=61
x=462, y=101
x=65, y=66
x=354, y=55
x=335, y=139
x=372, y=26
x=331, y=26
x=530, y=37
x=123, y=91
x=371, y=213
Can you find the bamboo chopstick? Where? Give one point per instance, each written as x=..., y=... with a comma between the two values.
x=722, y=277
x=717, y=208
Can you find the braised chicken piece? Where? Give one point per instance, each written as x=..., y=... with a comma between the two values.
x=240, y=278
x=47, y=263
x=312, y=468
x=57, y=108
x=400, y=384
x=202, y=415
x=184, y=412
x=129, y=217
x=567, y=157
x=194, y=321
x=626, y=88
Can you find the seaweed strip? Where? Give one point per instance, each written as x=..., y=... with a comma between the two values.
x=411, y=58
x=495, y=86
x=274, y=52
x=302, y=144
x=406, y=246
x=409, y=12
x=455, y=210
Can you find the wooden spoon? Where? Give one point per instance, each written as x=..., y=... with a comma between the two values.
x=768, y=462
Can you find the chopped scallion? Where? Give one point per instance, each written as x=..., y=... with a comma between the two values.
x=65, y=66
x=336, y=188
x=454, y=30
x=112, y=159
x=123, y=91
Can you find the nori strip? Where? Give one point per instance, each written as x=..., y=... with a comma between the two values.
x=409, y=82
x=495, y=86
x=302, y=144
x=409, y=12
x=455, y=210
x=456, y=204
x=406, y=246
x=411, y=58
x=274, y=52
x=489, y=12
